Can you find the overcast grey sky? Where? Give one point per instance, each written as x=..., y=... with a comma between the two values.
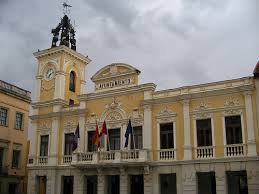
x=173, y=42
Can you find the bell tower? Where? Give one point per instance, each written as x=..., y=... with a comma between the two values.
x=61, y=69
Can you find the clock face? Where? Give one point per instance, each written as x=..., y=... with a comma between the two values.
x=50, y=73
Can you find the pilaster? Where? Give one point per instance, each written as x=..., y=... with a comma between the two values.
x=54, y=142
x=250, y=124
x=82, y=87
x=123, y=182
x=33, y=146
x=187, y=130
x=79, y=183
x=101, y=183
x=148, y=186
x=59, y=85
x=38, y=88
x=147, y=130
x=82, y=133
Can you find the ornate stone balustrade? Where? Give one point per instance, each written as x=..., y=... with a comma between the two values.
x=42, y=160
x=115, y=156
x=205, y=152
x=166, y=154
x=67, y=159
x=235, y=150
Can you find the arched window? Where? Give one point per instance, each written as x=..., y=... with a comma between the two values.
x=72, y=81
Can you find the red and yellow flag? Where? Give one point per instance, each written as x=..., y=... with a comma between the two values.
x=96, y=140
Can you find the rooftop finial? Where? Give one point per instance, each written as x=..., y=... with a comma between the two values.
x=66, y=8
x=64, y=32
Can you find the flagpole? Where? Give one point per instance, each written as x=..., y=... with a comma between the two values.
x=108, y=141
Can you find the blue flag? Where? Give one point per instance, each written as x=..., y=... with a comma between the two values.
x=76, y=137
x=127, y=133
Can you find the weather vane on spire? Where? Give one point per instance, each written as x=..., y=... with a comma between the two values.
x=66, y=8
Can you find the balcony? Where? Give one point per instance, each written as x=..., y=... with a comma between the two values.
x=112, y=157
x=204, y=152
x=235, y=150
x=166, y=154
x=66, y=159
x=42, y=160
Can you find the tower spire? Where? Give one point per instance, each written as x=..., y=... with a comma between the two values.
x=64, y=32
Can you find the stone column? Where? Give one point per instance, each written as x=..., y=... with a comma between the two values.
x=148, y=186
x=188, y=179
x=82, y=87
x=257, y=99
x=250, y=125
x=33, y=146
x=78, y=183
x=220, y=176
x=53, y=160
x=32, y=182
x=101, y=184
x=59, y=85
x=123, y=182
x=147, y=130
x=38, y=88
x=155, y=183
x=82, y=132
x=187, y=131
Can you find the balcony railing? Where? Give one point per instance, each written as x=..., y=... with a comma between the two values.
x=204, y=152
x=115, y=156
x=42, y=160
x=235, y=150
x=166, y=154
x=67, y=159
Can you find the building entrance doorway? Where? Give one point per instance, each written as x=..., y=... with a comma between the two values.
x=68, y=182
x=136, y=184
x=113, y=184
x=42, y=184
x=91, y=184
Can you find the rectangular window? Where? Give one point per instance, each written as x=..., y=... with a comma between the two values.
x=137, y=132
x=168, y=183
x=113, y=184
x=166, y=136
x=69, y=141
x=237, y=182
x=91, y=147
x=233, y=129
x=18, y=120
x=204, y=134
x=44, y=144
x=16, y=158
x=114, y=139
x=3, y=116
x=206, y=182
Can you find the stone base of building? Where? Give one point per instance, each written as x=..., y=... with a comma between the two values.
x=185, y=173
x=8, y=184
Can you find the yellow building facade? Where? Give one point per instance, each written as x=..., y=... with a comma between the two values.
x=14, y=118
x=183, y=138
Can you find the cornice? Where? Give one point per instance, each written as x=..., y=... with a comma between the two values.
x=202, y=94
x=117, y=92
x=49, y=103
x=59, y=49
x=113, y=76
x=58, y=114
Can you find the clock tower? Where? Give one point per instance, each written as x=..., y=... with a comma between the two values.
x=61, y=70
x=60, y=79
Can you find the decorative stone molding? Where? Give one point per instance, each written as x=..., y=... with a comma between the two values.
x=231, y=103
x=48, y=85
x=202, y=115
x=70, y=125
x=113, y=111
x=48, y=63
x=202, y=107
x=166, y=115
x=137, y=118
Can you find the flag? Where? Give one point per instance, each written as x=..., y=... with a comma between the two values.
x=75, y=138
x=96, y=140
x=102, y=134
x=127, y=133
